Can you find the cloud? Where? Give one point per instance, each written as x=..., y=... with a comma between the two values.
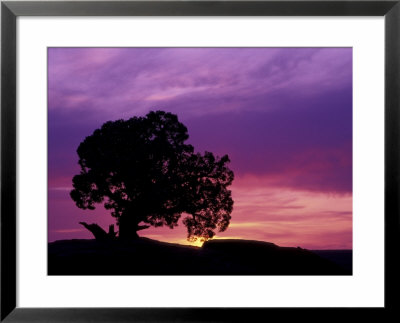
x=117, y=78
x=68, y=230
x=306, y=144
x=283, y=115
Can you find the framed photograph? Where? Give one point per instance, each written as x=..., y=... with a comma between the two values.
x=199, y=161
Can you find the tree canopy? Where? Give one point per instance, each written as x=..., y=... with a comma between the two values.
x=143, y=171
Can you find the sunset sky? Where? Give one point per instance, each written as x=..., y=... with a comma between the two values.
x=283, y=115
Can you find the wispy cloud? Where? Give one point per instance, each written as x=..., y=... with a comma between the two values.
x=283, y=115
x=68, y=230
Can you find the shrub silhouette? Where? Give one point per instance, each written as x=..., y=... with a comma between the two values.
x=142, y=170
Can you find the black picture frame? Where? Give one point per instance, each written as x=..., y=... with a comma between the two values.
x=10, y=10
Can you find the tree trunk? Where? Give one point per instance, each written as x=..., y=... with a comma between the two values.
x=127, y=228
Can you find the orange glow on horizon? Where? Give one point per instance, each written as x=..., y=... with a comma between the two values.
x=283, y=216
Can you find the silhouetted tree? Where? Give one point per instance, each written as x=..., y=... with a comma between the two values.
x=142, y=170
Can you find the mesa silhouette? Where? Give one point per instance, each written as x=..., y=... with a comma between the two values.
x=144, y=256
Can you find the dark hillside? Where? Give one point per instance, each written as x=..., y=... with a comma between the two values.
x=217, y=257
x=343, y=258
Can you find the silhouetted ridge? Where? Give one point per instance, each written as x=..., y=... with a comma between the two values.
x=145, y=256
x=237, y=244
x=343, y=258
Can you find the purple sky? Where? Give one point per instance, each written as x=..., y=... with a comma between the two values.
x=283, y=115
